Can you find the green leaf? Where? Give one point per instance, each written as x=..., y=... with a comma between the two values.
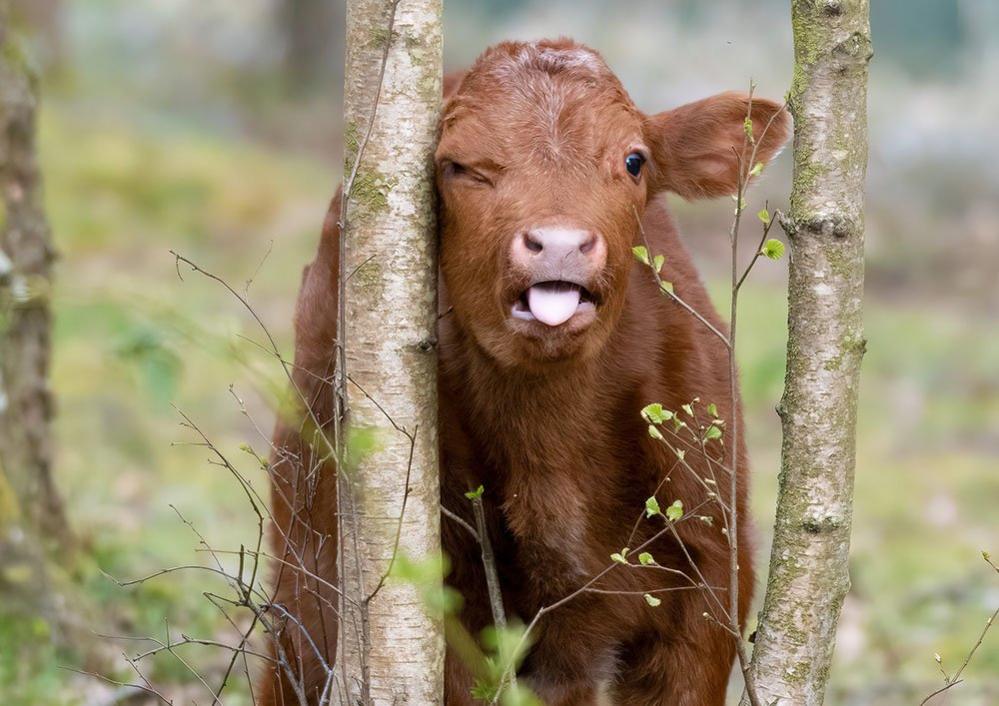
x=620, y=557
x=655, y=414
x=712, y=409
x=666, y=287
x=773, y=249
x=757, y=168
x=764, y=216
x=475, y=494
x=747, y=127
x=712, y=433
x=657, y=262
x=675, y=511
x=689, y=409
x=652, y=600
x=645, y=559
x=652, y=507
x=444, y=600
x=483, y=690
x=427, y=571
x=641, y=254
x=655, y=433
x=519, y=695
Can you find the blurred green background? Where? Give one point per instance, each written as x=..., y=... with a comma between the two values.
x=212, y=127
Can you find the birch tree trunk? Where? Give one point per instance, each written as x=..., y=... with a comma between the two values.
x=809, y=576
x=391, y=651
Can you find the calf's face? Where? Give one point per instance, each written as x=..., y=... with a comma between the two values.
x=544, y=168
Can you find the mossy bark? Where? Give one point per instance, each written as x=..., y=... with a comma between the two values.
x=391, y=650
x=809, y=576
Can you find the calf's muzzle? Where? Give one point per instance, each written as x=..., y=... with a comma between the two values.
x=559, y=266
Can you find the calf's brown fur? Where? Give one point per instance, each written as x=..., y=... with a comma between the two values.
x=534, y=143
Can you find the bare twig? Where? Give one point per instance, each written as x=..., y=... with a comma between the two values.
x=952, y=681
x=489, y=563
x=460, y=522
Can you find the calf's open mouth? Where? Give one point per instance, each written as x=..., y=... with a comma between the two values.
x=553, y=303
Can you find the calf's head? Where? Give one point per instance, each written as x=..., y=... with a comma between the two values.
x=544, y=166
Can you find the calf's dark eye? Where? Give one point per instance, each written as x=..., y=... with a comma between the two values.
x=633, y=163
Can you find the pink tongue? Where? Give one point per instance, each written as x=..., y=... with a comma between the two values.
x=553, y=304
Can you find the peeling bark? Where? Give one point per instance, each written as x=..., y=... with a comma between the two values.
x=391, y=651
x=809, y=576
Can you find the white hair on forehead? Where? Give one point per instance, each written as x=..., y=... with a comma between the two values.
x=550, y=59
x=572, y=58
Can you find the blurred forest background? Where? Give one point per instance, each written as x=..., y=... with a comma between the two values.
x=212, y=127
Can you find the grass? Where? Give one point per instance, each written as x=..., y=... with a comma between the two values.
x=135, y=344
x=926, y=494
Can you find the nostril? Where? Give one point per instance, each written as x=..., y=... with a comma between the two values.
x=533, y=243
x=588, y=244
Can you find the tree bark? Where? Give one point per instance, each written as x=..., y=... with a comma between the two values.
x=33, y=525
x=26, y=255
x=809, y=576
x=391, y=649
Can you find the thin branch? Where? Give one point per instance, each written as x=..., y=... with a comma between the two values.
x=457, y=519
x=489, y=564
x=667, y=290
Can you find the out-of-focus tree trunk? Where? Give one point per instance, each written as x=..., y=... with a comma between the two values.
x=391, y=651
x=43, y=19
x=809, y=576
x=26, y=255
x=312, y=36
x=33, y=525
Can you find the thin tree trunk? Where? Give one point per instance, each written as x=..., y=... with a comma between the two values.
x=26, y=255
x=33, y=525
x=808, y=565
x=391, y=651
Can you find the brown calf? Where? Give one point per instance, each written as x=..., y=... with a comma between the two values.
x=555, y=340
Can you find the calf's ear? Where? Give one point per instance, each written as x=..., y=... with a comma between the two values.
x=696, y=148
